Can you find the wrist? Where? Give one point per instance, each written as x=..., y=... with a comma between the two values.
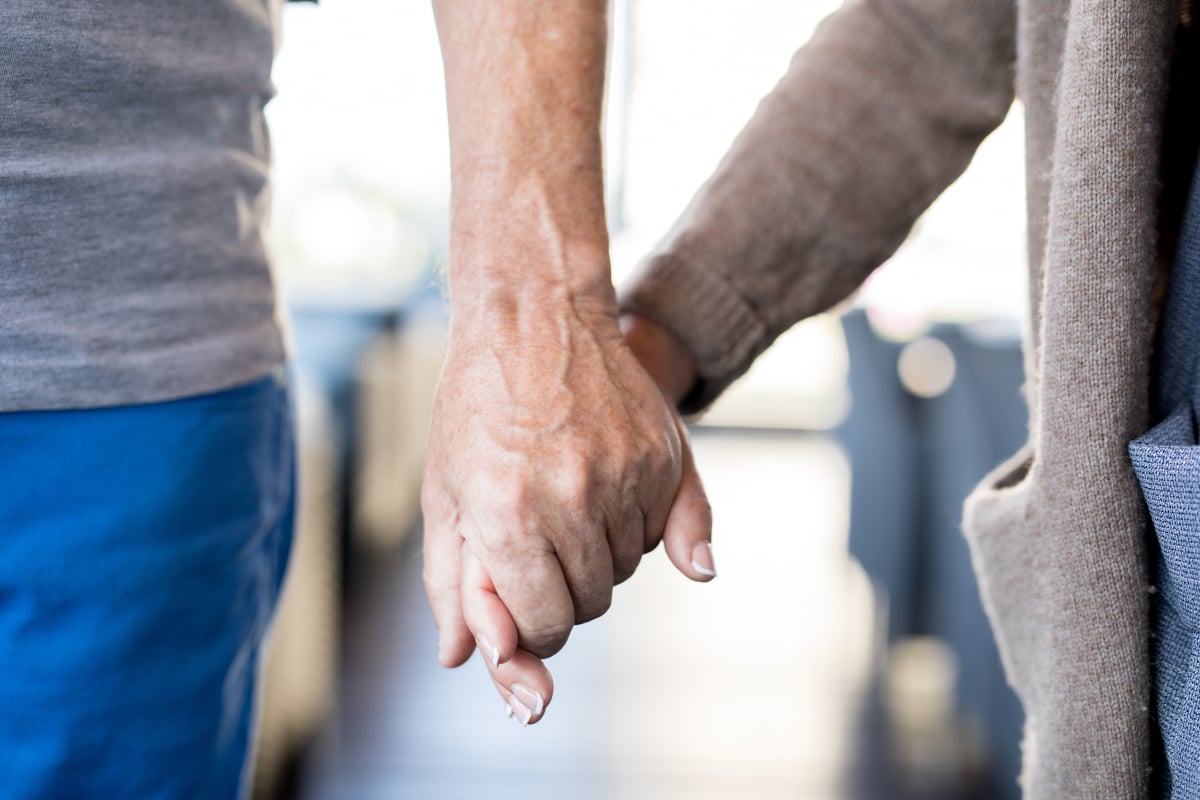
x=662, y=354
x=525, y=283
x=527, y=315
x=537, y=238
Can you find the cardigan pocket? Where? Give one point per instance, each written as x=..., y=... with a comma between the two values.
x=1001, y=536
x=1167, y=463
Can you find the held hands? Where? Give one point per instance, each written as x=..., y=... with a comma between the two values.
x=555, y=462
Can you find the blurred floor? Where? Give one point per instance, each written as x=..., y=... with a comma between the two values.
x=748, y=687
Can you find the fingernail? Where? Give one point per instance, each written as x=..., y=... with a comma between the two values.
x=519, y=709
x=489, y=650
x=508, y=712
x=441, y=650
x=702, y=560
x=529, y=698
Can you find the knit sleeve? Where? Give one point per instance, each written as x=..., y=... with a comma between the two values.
x=876, y=115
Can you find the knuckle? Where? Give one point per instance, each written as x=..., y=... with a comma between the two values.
x=654, y=463
x=546, y=640
x=507, y=542
x=624, y=567
x=627, y=552
x=592, y=608
x=574, y=485
x=503, y=512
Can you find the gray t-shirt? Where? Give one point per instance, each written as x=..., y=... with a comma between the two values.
x=133, y=192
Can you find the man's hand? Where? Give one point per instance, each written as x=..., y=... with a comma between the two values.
x=553, y=465
x=523, y=680
x=554, y=459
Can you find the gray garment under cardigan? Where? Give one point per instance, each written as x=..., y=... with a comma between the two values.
x=133, y=191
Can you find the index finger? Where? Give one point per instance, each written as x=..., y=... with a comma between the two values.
x=531, y=585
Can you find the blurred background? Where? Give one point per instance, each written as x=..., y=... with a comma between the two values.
x=842, y=652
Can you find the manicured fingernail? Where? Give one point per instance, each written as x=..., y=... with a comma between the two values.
x=529, y=698
x=508, y=712
x=702, y=560
x=489, y=650
x=522, y=712
x=441, y=651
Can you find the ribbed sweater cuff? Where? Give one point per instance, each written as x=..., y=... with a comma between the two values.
x=722, y=332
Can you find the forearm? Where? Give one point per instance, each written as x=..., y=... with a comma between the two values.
x=554, y=462
x=525, y=82
x=876, y=116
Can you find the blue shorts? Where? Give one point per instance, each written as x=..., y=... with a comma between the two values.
x=142, y=550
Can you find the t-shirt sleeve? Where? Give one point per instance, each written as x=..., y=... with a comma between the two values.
x=876, y=115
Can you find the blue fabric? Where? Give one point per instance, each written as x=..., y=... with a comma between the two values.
x=1167, y=462
x=142, y=549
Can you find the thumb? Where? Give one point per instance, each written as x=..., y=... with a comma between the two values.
x=687, y=536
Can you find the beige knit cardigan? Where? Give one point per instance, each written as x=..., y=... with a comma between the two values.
x=875, y=117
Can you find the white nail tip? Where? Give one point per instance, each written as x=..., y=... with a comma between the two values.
x=702, y=559
x=519, y=710
x=529, y=697
x=491, y=651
